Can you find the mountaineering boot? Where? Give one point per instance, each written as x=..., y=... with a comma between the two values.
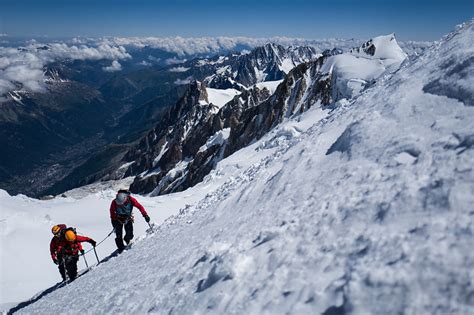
x=119, y=243
x=128, y=237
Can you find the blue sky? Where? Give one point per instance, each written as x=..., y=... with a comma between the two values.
x=417, y=20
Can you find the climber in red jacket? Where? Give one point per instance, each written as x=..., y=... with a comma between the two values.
x=121, y=216
x=65, y=247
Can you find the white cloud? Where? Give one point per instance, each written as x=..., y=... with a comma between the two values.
x=31, y=59
x=212, y=45
x=153, y=58
x=115, y=66
x=145, y=63
x=5, y=86
x=174, y=61
x=178, y=69
x=23, y=68
x=30, y=78
x=184, y=81
x=83, y=52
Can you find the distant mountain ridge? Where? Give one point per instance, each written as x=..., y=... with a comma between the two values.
x=269, y=58
x=181, y=150
x=139, y=100
x=270, y=62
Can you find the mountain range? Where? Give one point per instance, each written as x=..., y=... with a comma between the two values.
x=90, y=123
x=199, y=131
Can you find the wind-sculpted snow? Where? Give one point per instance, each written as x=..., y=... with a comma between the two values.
x=362, y=209
x=455, y=79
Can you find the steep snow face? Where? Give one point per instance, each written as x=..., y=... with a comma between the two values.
x=219, y=138
x=26, y=265
x=351, y=74
x=364, y=209
x=220, y=97
x=269, y=85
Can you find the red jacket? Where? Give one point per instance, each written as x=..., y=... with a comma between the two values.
x=60, y=244
x=130, y=202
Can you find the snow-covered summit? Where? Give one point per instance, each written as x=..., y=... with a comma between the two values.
x=381, y=47
x=357, y=69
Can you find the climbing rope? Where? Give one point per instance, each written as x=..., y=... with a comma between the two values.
x=103, y=240
x=97, y=244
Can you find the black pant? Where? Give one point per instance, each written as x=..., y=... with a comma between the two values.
x=68, y=263
x=118, y=226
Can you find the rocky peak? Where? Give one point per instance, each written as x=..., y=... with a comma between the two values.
x=267, y=53
x=194, y=95
x=53, y=75
x=171, y=156
x=301, y=54
x=332, y=52
x=270, y=62
x=303, y=87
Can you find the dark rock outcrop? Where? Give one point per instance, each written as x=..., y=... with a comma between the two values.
x=179, y=152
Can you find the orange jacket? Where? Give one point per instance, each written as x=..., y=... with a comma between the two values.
x=59, y=245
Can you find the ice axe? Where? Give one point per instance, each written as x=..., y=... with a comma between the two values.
x=151, y=227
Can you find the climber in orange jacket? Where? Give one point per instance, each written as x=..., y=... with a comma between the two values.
x=65, y=247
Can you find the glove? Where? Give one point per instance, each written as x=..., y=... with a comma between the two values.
x=55, y=261
x=93, y=243
x=147, y=218
x=82, y=252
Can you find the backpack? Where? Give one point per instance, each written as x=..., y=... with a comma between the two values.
x=125, y=209
x=63, y=231
x=71, y=229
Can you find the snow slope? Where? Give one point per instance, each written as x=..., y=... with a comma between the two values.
x=269, y=85
x=365, y=209
x=85, y=208
x=25, y=263
x=220, y=97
